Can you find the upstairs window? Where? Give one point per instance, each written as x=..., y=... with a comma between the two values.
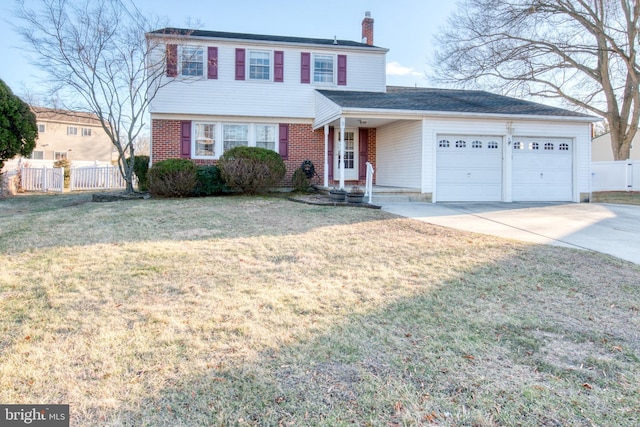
x=192, y=61
x=41, y=128
x=86, y=131
x=72, y=130
x=323, y=68
x=259, y=65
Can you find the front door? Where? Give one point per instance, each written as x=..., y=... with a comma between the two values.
x=350, y=155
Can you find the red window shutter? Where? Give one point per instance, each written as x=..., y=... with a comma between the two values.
x=363, y=147
x=305, y=67
x=278, y=66
x=330, y=152
x=172, y=60
x=185, y=139
x=240, y=64
x=283, y=146
x=212, y=62
x=342, y=70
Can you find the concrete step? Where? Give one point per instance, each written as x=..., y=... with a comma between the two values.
x=400, y=197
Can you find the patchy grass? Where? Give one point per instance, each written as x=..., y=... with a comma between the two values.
x=261, y=311
x=617, y=197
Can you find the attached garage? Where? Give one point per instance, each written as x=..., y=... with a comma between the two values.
x=542, y=169
x=469, y=146
x=469, y=168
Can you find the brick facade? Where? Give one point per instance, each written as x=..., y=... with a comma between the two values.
x=304, y=144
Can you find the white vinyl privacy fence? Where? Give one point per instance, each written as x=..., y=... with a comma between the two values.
x=42, y=179
x=96, y=178
x=45, y=179
x=621, y=175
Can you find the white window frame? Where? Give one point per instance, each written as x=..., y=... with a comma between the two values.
x=275, y=135
x=42, y=128
x=224, y=140
x=86, y=131
x=181, y=61
x=269, y=66
x=72, y=130
x=40, y=152
x=333, y=71
x=60, y=155
x=194, y=140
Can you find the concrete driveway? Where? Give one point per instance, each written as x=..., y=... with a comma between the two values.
x=610, y=229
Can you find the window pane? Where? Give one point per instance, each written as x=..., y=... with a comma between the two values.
x=235, y=135
x=40, y=128
x=36, y=155
x=192, y=61
x=259, y=65
x=266, y=136
x=205, y=139
x=323, y=69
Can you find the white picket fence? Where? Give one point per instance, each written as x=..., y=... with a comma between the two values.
x=42, y=179
x=96, y=178
x=45, y=179
x=623, y=175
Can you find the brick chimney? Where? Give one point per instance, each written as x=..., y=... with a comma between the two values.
x=367, y=29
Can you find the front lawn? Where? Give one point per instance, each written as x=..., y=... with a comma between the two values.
x=261, y=311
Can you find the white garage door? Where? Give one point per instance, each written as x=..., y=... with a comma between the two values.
x=469, y=168
x=542, y=169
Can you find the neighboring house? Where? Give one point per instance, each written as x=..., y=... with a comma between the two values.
x=303, y=97
x=70, y=135
x=601, y=148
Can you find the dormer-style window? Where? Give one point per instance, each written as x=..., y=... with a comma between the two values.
x=192, y=61
x=259, y=65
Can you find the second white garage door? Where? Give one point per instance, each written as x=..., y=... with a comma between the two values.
x=542, y=169
x=469, y=168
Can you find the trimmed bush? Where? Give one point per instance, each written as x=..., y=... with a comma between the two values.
x=66, y=164
x=251, y=169
x=299, y=180
x=173, y=178
x=141, y=168
x=210, y=181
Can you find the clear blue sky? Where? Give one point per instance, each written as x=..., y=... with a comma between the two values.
x=406, y=27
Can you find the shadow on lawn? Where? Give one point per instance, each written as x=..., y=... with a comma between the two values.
x=73, y=220
x=485, y=348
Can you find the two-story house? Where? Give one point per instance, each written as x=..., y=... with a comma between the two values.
x=70, y=135
x=326, y=100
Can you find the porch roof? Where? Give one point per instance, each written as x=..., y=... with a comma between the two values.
x=410, y=99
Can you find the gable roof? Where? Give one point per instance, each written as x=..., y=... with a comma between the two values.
x=183, y=32
x=445, y=100
x=65, y=116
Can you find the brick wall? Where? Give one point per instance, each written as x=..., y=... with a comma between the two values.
x=304, y=144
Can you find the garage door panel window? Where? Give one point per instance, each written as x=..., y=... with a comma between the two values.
x=461, y=144
x=492, y=145
x=476, y=144
x=518, y=145
x=444, y=143
x=563, y=147
x=548, y=146
x=534, y=146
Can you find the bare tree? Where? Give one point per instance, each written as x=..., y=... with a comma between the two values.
x=98, y=60
x=581, y=51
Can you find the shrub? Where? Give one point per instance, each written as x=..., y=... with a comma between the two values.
x=66, y=164
x=210, y=181
x=299, y=180
x=172, y=178
x=140, y=168
x=251, y=169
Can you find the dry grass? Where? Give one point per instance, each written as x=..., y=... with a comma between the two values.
x=617, y=197
x=261, y=311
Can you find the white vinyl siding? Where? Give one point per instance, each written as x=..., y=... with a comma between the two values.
x=226, y=96
x=399, y=154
